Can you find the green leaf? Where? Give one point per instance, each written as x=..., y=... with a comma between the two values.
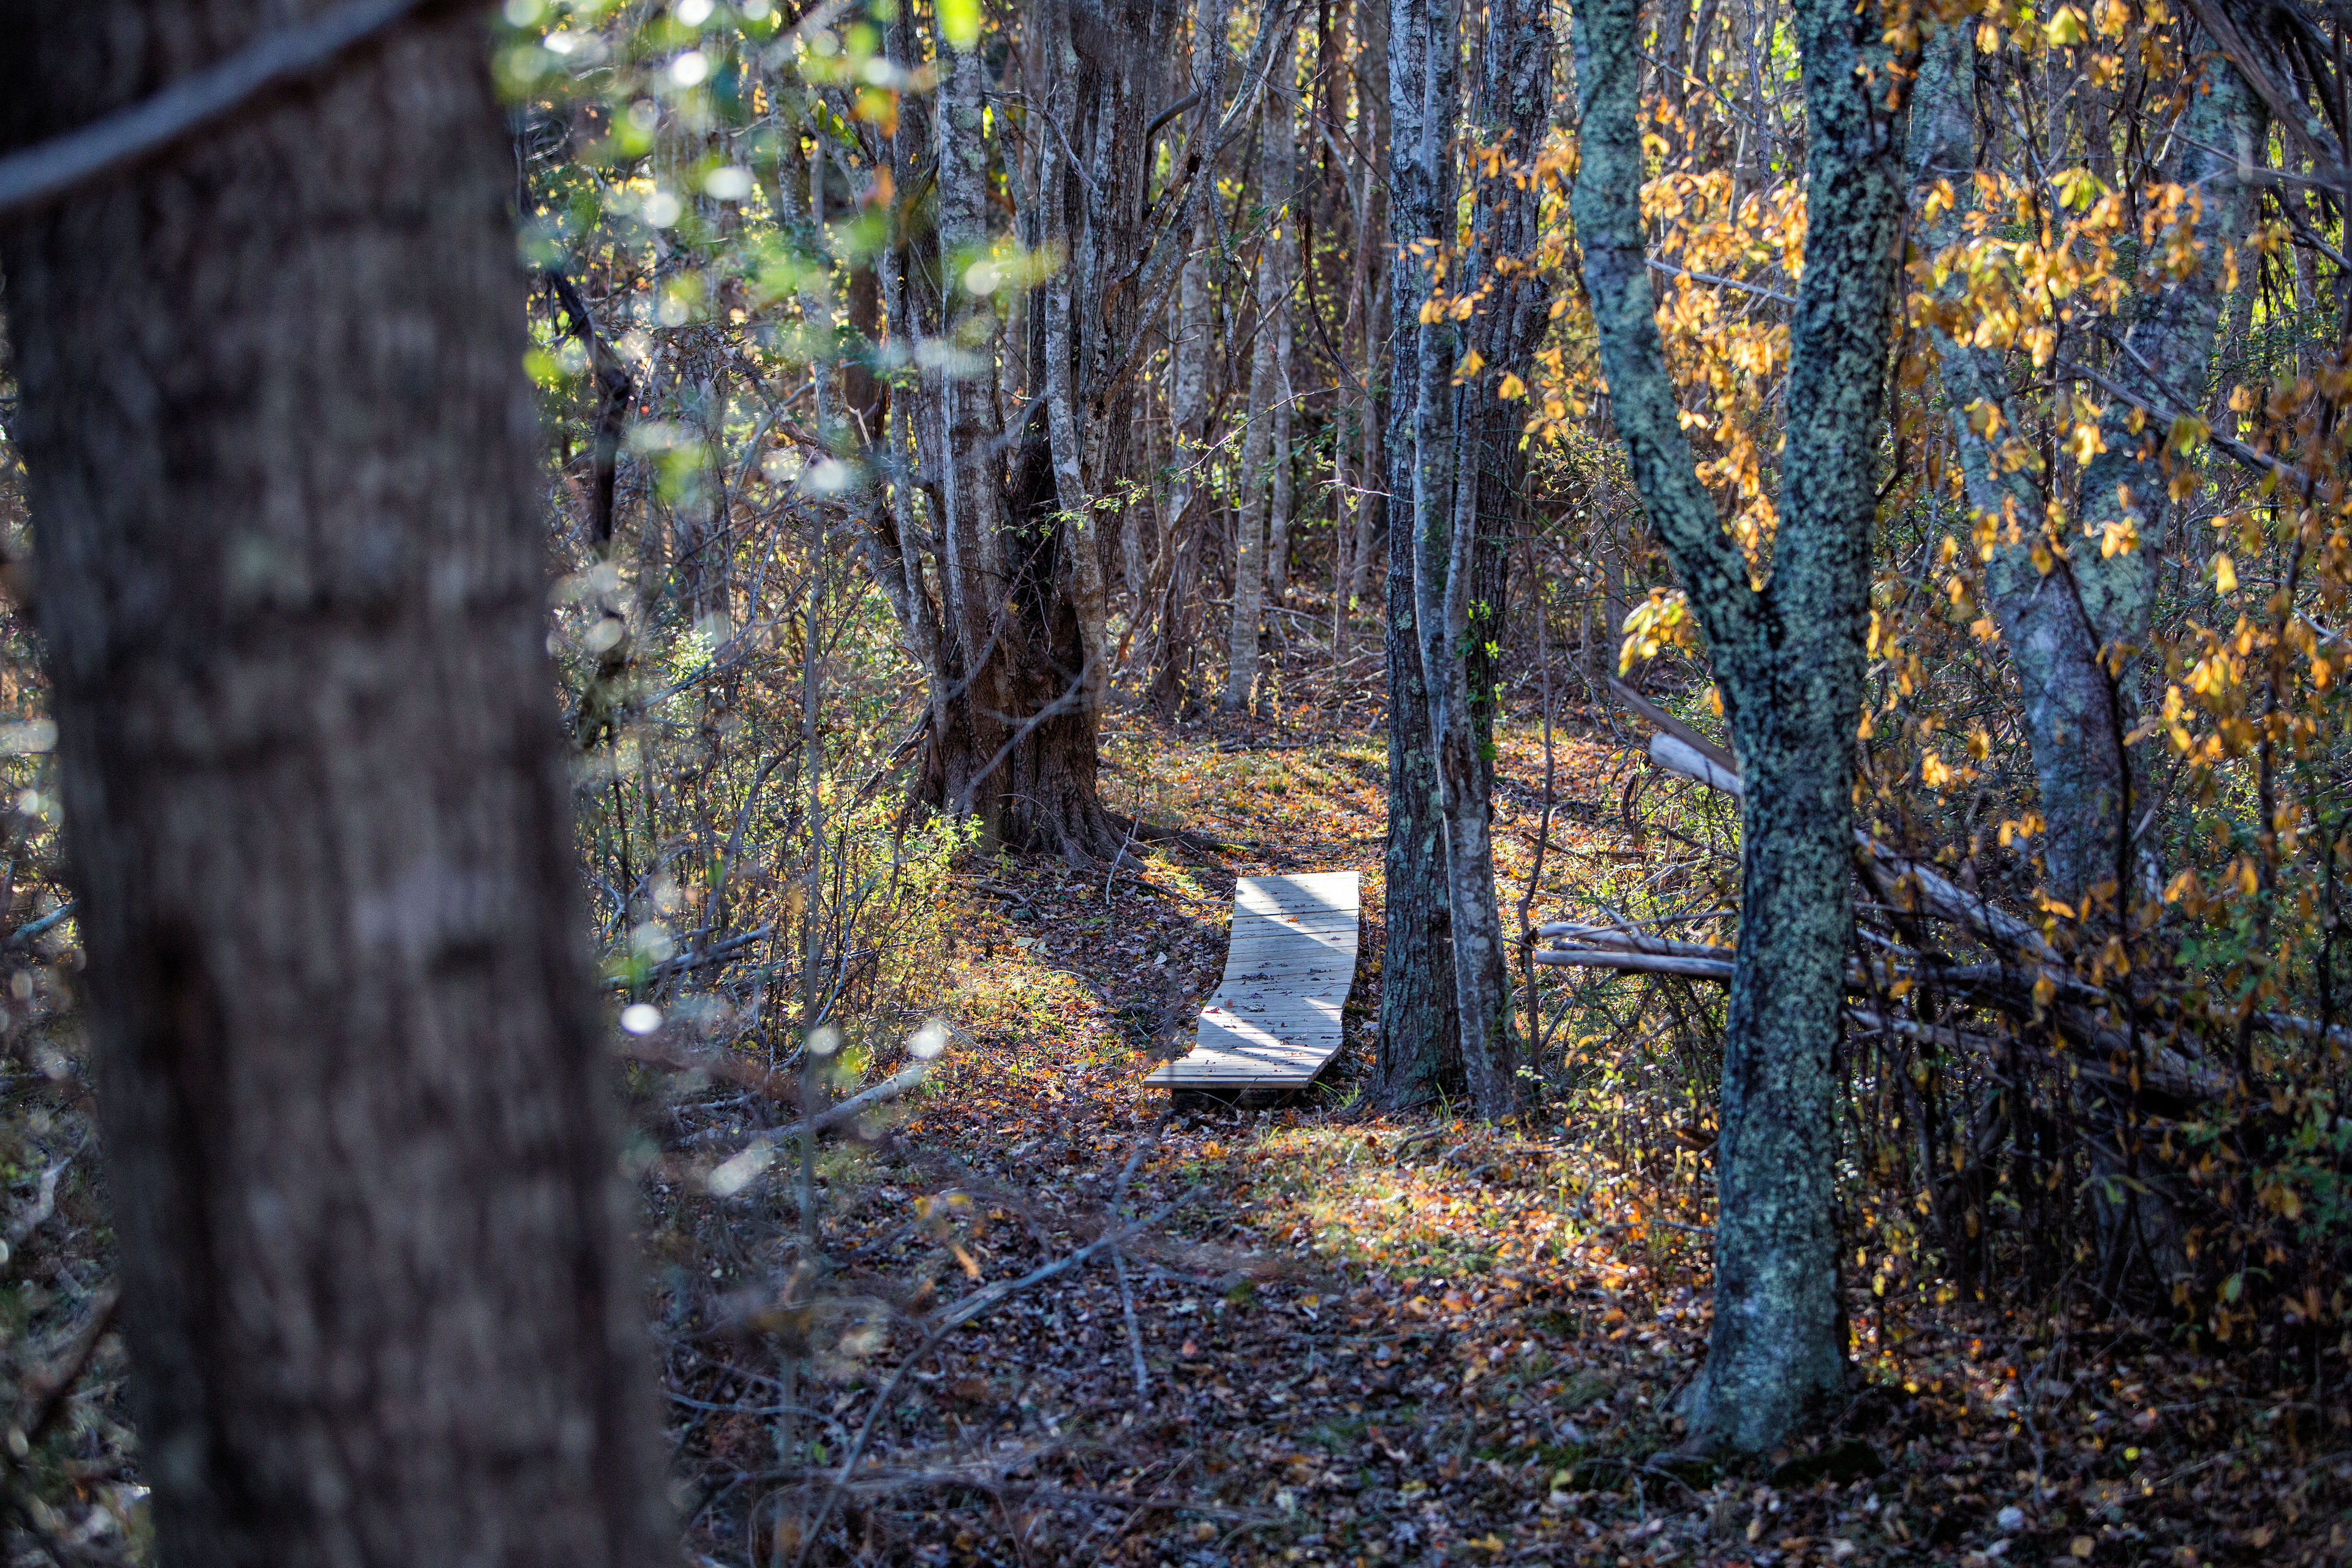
x=959, y=20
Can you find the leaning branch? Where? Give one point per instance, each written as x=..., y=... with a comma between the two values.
x=48, y=170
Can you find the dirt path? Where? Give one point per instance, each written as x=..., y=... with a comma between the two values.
x=1361, y=1341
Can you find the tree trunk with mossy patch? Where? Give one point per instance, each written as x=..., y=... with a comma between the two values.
x=1788, y=657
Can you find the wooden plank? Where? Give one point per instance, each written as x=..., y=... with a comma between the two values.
x=1290, y=964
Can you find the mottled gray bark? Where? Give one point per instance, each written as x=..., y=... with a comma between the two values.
x=2060, y=626
x=1246, y=626
x=353, y=1081
x=2059, y=612
x=1081, y=534
x=1262, y=523
x=1188, y=502
x=1789, y=660
x=1278, y=175
x=1462, y=546
x=1419, y=1053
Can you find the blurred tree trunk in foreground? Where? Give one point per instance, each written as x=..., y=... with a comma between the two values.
x=280, y=445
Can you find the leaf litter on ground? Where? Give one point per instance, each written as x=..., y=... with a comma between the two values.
x=1365, y=1339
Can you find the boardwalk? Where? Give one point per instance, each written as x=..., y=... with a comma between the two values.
x=1274, y=1020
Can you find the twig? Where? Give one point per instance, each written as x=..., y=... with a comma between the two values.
x=1119, y=1265
x=47, y=170
x=962, y=1312
x=33, y=927
x=1760, y=293
x=1121, y=1499
x=1134, y=1330
x=740, y=1168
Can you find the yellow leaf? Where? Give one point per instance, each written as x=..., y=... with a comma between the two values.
x=2080, y=1546
x=1510, y=389
x=2225, y=574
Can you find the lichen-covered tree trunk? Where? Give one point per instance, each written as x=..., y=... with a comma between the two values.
x=354, y=1080
x=1420, y=1055
x=1788, y=657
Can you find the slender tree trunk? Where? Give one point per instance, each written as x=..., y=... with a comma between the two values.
x=355, y=1086
x=1788, y=658
x=1250, y=541
x=1420, y=1054
x=1372, y=131
x=1460, y=560
x=1279, y=174
x=1188, y=502
x=2060, y=627
x=1263, y=525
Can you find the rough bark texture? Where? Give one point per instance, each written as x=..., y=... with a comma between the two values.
x=1013, y=554
x=1246, y=628
x=1461, y=560
x=2055, y=623
x=1788, y=657
x=2058, y=624
x=353, y=1080
x=1278, y=174
x=1372, y=330
x=1420, y=1054
x=1176, y=637
x=1189, y=501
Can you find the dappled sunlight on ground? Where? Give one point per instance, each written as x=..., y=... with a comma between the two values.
x=1403, y=1340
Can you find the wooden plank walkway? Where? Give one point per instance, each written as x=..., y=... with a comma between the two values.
x=1274, y=1019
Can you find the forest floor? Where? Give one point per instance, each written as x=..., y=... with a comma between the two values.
x=1355, y=1338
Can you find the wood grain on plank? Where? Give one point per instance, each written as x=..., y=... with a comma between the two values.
x=1274, y=1020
